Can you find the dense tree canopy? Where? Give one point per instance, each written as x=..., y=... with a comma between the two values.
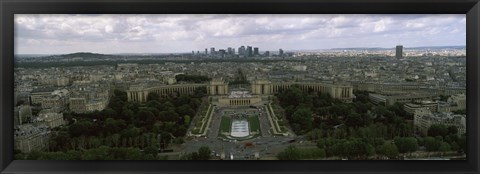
x=388, y=150
x=302, y=120
x=191, y=78
x=406, y=144
x=122, y=129
x=203, y=153
x=432, y=144
x=438, y=130
x=359, y=129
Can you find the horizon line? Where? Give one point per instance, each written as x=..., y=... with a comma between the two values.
x=187, y=52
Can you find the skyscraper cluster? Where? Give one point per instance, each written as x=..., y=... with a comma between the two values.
x=243, y=52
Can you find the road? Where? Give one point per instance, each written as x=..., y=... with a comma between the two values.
x=266, y=146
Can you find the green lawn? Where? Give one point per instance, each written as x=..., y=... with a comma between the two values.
x=254, y=123
x=225, y=124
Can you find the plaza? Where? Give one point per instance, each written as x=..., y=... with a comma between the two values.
x=236, y=120
x=240, y=123
x=232, y=127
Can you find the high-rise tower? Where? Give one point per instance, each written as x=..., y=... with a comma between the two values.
x=399, y=52
x=241, y=51
x=249, y=51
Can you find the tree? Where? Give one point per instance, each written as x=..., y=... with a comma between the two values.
x=128, y=115
x=361, y=96
x=195, y=103
x=166, y=106
x=315, y=134
x=112, y=126
x=34, y=155
x=18, y=155
x=151, y=150
x=61, y=140
x=169, y=116
x=122, y=95
x=444, y=147
x=291, y=153
x=179, y=130
x=118, y=99
x=289, y=111
x=184, y=99
x=397, y=109
x=293, y=96
x=370, y=150
x=200, y=92
x=356, y=148
x=382, y=114
x=334, y=147
x=204, y=153
x=194, y=156
x=116, y=104
x=341, y=109
x=154, y=104
x=432, y=144
x=185, y=110
x=135, y=154
x=388, y=150
x=101, y=153
x=451, y=138
x=452, y=130
x=361, y=107
x=81, y=127
x=131, y=132
x=191, y=78
x=406, y=144
x=354, y=120
x=326, y=99
x=94, y=142
x=462, y=143
x=145, y=117
x=153, y=97
x=437, y=130
x=109, y=113
x=302, y=120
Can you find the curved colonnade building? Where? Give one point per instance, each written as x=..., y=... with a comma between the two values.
x=139, y=93
x=342, y=92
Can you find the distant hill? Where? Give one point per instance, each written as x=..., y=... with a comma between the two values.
x=405, y=47
x=31, y=55
x=361, y=48
x=84, y=55
x=439, y=47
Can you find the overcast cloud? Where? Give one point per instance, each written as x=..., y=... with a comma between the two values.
x=60, y=34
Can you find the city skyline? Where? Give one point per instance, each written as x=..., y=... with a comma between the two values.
x=113, y=34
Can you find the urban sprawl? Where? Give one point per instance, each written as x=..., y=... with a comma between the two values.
x=243, y=104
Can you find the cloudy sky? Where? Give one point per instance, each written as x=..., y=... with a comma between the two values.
x=61, y=34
